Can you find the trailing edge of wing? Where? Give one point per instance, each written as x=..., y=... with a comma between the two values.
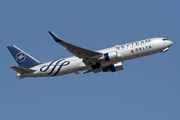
x=77, y=51
x=22, y=70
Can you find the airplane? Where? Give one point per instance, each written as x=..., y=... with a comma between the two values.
x=86, y=61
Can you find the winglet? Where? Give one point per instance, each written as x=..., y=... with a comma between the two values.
x=56, y=38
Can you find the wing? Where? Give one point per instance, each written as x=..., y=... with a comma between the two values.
x=83, y=53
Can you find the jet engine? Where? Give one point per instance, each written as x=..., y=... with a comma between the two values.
x=114, y=67
x=110, y=56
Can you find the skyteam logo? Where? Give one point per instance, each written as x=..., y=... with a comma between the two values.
x=54, y=66
x=20, y=57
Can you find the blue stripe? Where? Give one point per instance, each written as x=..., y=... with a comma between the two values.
x=112, y=68
x=63, y=64
x=106, y=57
x=41, y=69
x=55, y=66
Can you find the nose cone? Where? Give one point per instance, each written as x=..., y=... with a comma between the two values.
x=168, y=43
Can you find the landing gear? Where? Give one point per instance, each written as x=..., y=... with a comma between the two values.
x=96, y=66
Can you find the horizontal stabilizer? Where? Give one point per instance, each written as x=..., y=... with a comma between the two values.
x=22, y=70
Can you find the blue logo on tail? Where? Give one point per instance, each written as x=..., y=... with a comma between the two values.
x=23, y=59
x=20, y=57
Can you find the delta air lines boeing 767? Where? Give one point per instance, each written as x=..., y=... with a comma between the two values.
x=106, y=60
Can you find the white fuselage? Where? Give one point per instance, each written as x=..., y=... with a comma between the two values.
x=123, y=52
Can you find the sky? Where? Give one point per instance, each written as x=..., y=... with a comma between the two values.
x=147, y=89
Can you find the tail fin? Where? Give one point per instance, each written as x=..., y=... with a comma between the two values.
x=22, y=58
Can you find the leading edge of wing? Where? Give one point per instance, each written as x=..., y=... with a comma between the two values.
x=76, y=50
x=56, y=38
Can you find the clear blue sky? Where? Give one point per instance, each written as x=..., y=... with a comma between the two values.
x=147, y=89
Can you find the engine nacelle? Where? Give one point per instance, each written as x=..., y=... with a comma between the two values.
x=114, y=67
x=110, y=56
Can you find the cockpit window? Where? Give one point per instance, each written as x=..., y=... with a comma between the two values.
x=165, y=39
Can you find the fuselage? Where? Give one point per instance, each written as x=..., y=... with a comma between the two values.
x=123, y=52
